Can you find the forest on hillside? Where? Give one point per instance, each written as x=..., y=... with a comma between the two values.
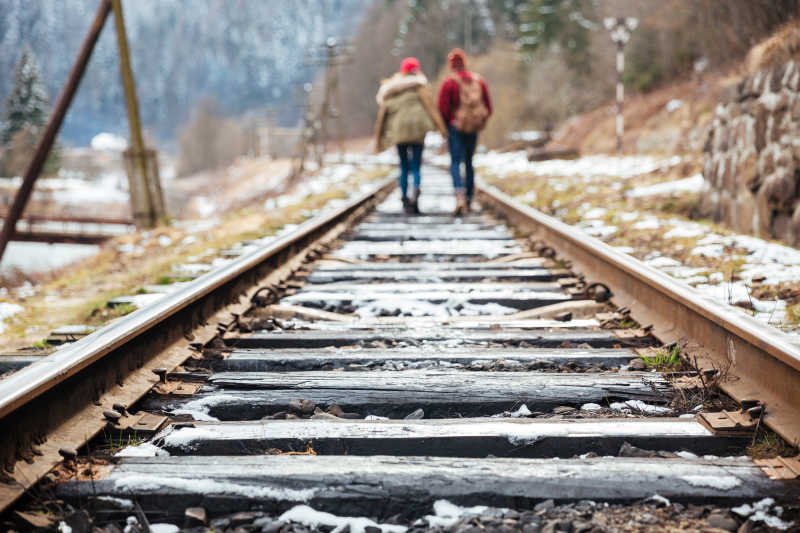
x=244, y=54
x=549, y=59
x=205, y=65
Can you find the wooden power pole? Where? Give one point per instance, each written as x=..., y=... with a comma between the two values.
x=335, y=55
x=141, y=164
x=53, y=125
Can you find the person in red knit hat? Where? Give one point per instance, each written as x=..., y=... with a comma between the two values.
x=407, y=112
x=465, y=107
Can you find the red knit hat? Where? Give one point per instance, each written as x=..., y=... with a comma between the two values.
x=457, y=58
x=409, y=64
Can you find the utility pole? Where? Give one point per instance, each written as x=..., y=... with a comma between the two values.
x=309, y=133
x=620, y=29
x=53, y=125
x=147, y=199
x=335, y=55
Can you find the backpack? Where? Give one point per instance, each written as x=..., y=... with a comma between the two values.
x=472, y=113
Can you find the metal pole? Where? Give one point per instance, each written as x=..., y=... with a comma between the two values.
x=339, y=121
x=620, y=95
x=132, y=106
x=620, y=30
x=53, y=125
x=326, y=98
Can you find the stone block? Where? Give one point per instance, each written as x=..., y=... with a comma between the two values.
x=784, y=158
x=795, y=109
x=747, y=173
x=747, y=140
x=709, y=170
x=796, y=224
x=725, y=207
x=779, y=189
x=763, y=214
x=789, y=71
x=761, y=127
x=781, y=227
x=766, y=163
x=709, y=142
x=776, y=78
x=794, y=80
x=753, y=87
x=728, y=178
x=745, y=217
x=721, y=136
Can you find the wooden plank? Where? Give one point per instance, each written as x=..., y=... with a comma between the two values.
x=416, y=287
x=304, y=359
x=424, y=266
x=643, y=385
x=424, y=234
x=382, y=486
x=436, y=248
x=445, y=227
x=447, y=438
x=515, y=274
x=474, y=323
x=540, y=339
x=440, y=393
x=425, y=219
x=520, y=300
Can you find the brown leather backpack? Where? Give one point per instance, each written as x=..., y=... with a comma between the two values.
x=472, y=114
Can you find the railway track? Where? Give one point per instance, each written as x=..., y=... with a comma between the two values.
x=389, y=367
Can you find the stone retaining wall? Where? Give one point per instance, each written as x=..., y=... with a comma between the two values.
x=753, y=164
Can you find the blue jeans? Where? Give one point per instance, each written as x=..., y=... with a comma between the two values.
x=462, y=148
x=410, y=160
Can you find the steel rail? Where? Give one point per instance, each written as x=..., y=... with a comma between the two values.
x=754, y=361
x=43, y=396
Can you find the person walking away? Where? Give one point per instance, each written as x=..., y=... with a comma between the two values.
x=465, y=107
x=406, y=113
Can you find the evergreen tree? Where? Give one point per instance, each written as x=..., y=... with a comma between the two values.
x=26, y=106
x=564, y=23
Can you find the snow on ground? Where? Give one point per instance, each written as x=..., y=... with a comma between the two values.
x=529, y=135
x=588, y=168
x=7, y=310
x=756, y=262
x=72, y=188
x=446, y=514
x=34, y=257
x=303, y=514
x=145, y=449
x=108, y=142
x=694, y=183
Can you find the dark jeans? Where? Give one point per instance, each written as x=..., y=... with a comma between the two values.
x=462, y=148
x=410, y=160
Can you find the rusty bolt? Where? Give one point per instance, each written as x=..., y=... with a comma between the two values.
x=112, y=416
x=67, y=453
x=161, y=373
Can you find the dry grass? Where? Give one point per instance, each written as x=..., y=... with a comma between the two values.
x=649, y=127
x=79, y=293
x=768, y=444
x=775, y=50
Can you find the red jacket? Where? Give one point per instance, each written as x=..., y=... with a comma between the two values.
x=448, y=96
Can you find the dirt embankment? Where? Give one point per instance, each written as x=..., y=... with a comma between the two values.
x=674, y=119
